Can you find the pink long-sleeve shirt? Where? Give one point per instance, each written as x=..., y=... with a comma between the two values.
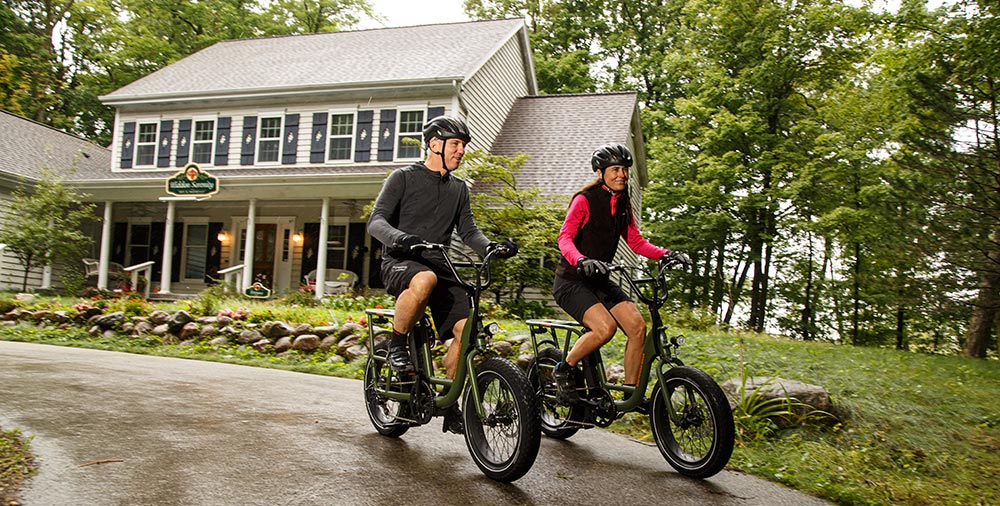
x=576, y=218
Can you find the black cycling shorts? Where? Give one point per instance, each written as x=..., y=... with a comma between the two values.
x=576, y=297
x=449, y=303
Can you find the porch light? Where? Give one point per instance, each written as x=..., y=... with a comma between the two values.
x=223, y=236
x=297, y=238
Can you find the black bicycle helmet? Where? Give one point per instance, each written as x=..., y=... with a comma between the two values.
x=611, y=154
x=446, y=127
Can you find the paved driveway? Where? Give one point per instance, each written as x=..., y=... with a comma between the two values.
x=119, y=429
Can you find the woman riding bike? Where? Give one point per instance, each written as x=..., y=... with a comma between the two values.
x=600, y=215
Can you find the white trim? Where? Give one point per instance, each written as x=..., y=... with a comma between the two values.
x=156, y=143
x=191, y=139
x=353, y=135
x=280, y=138
x=422, y=109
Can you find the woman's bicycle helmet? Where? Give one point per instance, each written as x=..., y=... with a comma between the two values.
x=611, y=154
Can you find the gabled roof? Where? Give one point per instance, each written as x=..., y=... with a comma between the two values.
x=560, y=132
x=27, y=147
x=327, y=61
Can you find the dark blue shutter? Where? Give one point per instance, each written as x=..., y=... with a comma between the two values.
x=128, y=144
x=183, y=142
x=222, y=140
x=249, y=140
x=363, y=140
x=163, y=151
x=434, y=112
x=317, y=151
x=291, y=139
x=386, y=134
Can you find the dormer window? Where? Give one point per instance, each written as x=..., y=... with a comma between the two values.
x=411, y=124
x=269, y=139
x=145, y=145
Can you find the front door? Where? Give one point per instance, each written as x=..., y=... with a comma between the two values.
x=264, y=246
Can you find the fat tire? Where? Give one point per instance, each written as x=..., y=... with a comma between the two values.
x=505, y=445
x=699, y=440
x=553, y=417
x=375, y=372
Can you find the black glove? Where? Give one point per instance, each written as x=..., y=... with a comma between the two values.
x=403, y=244
x=672, y=258
x=504, y=249
x=592, y=268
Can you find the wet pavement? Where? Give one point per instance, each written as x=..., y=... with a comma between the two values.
x=118, y=429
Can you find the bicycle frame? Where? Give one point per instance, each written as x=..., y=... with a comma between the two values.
x=473, y=340
x=656, y=350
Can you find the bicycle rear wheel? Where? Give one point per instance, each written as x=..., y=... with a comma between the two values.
x=693, y=427
x=505, y=442
x=555, y=419
x=381, y=410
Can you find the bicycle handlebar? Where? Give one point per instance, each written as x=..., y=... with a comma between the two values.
x=483, y=278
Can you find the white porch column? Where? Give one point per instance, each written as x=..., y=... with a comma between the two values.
x=324, y=233
x=248, y=244
x=167, y=266
x=47, y=271
x=105, y=260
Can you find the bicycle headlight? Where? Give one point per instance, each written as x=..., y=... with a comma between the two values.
x=677, y=340
x=493, y=329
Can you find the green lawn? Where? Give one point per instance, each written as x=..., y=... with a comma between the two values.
x=914, y=428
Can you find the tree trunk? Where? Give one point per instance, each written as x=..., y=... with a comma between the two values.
x=985, y=313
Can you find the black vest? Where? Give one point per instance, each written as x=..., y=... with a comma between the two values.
x=598, y=239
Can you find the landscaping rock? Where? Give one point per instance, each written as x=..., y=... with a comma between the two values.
x=220, y=341
x=110, y=320
x=306, y=342
x=160, y=330
x=615, y=373
x=249, y=336
x=348, y=329
x=328, y=342
x=208, y=331
x=347, y=342
x=224, y=321
x=324, y=331
x=262, y=346
x=208, y=320
x=178, y=321
x=503, y=348
x=275, y=330
x=813, y=396
x=283, y=344
x=142, y=328
x=355, y=351
x=159, y=317
x=189, y=330
x=303, y=329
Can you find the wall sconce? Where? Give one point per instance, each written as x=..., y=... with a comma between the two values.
x=297, y=238
x=223, y=236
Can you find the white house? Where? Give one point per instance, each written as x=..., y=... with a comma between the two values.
x=300, y=132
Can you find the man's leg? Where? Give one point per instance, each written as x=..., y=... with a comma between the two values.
x=634, y=326
x=410, y=306
x=451, y=356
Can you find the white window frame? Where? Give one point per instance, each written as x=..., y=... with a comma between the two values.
x=132, y=222
x=279, y=139
x=418, y=134
x=154, y=143
x=192, y=139
x=330, y=136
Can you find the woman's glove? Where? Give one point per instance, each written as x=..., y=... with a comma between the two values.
x=592, y=268
x=672, y=258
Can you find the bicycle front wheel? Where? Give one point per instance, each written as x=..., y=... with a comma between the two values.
x=504, y=443
x=692, y=422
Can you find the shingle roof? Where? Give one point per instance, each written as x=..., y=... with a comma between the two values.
x=560, y=132
x=328, y=60
x=27, y=147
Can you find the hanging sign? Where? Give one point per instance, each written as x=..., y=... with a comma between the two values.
x=192, y=181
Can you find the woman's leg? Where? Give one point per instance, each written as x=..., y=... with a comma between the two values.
x=602, y=327
x=634, y=325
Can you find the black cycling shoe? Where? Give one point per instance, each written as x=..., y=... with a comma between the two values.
x=566, y=383
x=453, y=421
x=399, y=359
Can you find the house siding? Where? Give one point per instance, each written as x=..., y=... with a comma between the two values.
x=367, y=116
x=491, y=92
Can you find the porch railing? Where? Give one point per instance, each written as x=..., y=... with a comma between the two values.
x=233, y=276
x=144, y=269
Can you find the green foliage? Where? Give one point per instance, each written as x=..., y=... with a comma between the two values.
x=505, y=209
x=16, y=461
x=43, y=224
